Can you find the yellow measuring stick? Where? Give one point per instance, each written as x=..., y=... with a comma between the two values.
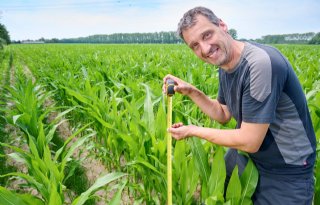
x=169, y=160
x=170, y=92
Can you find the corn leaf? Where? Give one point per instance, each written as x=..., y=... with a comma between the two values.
x=8, y=197
x=249, y=181
x=55, y=197
x=28, y=178
x=148, y=114
x=117, y=197
x=62, y=149
x=201, y=158
x=147, y=165
x=234, y=188
x=73, y=147
x=218, y=173
x=100, y=182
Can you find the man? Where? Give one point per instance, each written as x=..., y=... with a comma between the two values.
x=258, y=87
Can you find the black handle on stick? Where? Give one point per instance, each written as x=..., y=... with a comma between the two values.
x=170, y=87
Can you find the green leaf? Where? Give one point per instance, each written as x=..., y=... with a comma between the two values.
x=55, y=197
x=98, y=117
x=62, y=149
x=100, y=182
x=201, y=163
x=201, y=158
x=161, y=122
x=234, y=188
x=73, y=147
x=77, y=95
x=15, y=118
x=249, y=181
x=148, y=114
x=179, y=155
x=8, y=197
x=40, y=187
x=131, y=142
x=218, y=173
x=191, y=182
x=117, y=197
x=147, y=165
x=215, y=200
x=51, y=132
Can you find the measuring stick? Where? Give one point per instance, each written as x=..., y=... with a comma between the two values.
x=170, y=93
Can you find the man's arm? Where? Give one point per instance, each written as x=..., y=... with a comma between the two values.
x=248, y=137
x=210, y=107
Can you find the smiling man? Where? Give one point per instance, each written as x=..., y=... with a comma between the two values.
x=259, y=89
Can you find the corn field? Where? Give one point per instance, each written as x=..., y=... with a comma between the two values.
x=86, y=124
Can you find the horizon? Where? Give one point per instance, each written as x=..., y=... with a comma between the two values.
x=151, y=32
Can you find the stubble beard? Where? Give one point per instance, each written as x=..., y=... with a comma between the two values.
x=225, y=57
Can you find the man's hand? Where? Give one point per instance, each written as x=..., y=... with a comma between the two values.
x=180, y=131
x=180, y=86
x=210, y=107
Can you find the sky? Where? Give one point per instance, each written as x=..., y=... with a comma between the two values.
x=252, y=19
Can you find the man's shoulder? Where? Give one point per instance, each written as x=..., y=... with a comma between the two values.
x=265, y=58
x=256, y=55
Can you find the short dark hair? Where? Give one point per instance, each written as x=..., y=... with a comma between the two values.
x=189, y=18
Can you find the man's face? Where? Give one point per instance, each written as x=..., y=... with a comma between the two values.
x=209, y=41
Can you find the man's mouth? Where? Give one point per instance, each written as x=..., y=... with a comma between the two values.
x=213, y=51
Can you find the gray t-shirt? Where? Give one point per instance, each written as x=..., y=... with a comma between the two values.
x=263, y=88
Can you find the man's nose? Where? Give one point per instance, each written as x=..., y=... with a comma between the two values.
x=205, y=49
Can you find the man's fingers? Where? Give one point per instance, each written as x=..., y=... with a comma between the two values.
x=169, y=76
x=177, y=125
x=164, y=86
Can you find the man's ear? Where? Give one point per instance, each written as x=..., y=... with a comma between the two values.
x=223, y=26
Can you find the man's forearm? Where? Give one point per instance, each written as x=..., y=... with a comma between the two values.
x=248, y=137
x=228, y=138
x=210, y=107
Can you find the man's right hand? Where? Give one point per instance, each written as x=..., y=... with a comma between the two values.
x=180, y=86
x=210, y=107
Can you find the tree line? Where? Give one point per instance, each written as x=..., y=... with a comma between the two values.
x=4, y=36
x=172, y=38
x=163, y=37
x=127, y=38
x=169, y=37
x=295, y=38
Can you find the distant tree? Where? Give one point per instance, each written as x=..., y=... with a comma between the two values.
x=233, y=33
x=53, y=40
x=4, y=34
x=2, y=42
x=157, y=37
x=294, y=38
x=315, y=39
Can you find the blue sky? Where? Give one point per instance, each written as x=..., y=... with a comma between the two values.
x=33, y=19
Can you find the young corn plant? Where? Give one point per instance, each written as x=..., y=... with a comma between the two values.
x=46, y=169
x=185, y=175
x=212, y=178
x=104, y=82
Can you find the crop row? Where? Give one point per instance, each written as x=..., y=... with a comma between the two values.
x=116, y=91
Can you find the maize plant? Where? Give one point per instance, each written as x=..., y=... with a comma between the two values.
x=46, y=169
x=116, y=91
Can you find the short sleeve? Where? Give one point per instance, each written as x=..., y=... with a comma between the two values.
x=262, y=90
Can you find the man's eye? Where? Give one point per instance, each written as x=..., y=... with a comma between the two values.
x=195, y=46
x=206, y=36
